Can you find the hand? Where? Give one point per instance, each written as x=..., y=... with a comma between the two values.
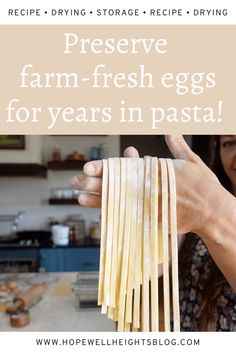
x=196, y=184
x=91, y=181
x=203, y=205
x=196, y=187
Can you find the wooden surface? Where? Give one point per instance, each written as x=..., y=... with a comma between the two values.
x=22, y=170
x=66, y=165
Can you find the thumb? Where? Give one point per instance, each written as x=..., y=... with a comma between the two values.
x=180, y=149
x=131, y=152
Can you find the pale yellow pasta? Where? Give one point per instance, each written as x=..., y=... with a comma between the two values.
x=110, y=312
x=109, y=237
x=126, y=245
x=138, y=251
x=174, y=246
x=146, y=247
x=132, y=248
x=103, y=233
x=122, y=206
x=165, y=240
x=134, y=241
x=154, y=247
x=115, y=233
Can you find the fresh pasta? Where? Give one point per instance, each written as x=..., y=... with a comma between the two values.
x=135, y=240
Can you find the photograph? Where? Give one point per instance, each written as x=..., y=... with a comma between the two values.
x=13, y=142
x=64, y=248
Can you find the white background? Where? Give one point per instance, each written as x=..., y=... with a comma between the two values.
x=24, y=343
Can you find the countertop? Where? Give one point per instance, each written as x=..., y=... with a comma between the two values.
x=58, y=309
x=46, y=243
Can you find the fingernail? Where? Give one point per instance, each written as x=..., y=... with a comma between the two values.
x=90, y=168
x=81, y=198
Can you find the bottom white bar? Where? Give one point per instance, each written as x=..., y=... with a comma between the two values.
x=104, y=342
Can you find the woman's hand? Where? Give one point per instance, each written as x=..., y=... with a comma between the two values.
x=196, y=184
x=91, y=181
x=203, y=205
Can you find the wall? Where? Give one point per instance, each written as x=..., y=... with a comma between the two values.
x=80, y=143
x=31, y=154
x=31, y=194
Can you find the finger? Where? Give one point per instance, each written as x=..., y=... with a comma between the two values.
x=93, y=168
x=86, y=183
x=180, y=149
x=89, y=200
x=131, y=152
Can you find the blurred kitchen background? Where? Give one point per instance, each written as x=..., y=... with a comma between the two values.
x=49, y=244
x=35, y=194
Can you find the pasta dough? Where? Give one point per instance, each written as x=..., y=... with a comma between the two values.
x=135, y=240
